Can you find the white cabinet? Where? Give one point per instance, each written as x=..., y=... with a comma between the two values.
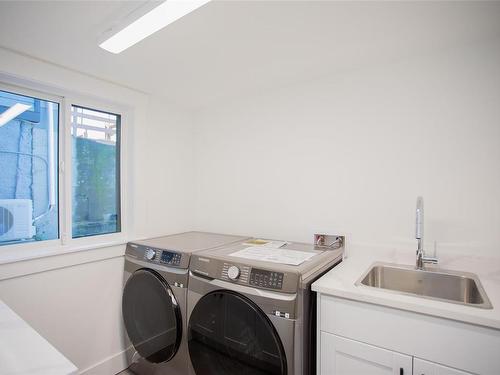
x=343, y=356
x=421, y=367
x=360, y=338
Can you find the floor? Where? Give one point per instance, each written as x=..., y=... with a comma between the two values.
x=126, y=372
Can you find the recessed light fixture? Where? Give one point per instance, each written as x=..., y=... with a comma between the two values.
x=13, y=112
x=153, y=21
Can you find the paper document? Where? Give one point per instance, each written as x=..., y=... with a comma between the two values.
x=266, y=243
x=275, y=255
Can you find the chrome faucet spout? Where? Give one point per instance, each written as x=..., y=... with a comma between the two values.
x=419, y=235
x=419, y=219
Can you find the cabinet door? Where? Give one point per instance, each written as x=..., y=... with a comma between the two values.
x=341, y=356
x=421, y=367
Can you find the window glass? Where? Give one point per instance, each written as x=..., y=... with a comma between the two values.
x=95, y=139
x=28, y=169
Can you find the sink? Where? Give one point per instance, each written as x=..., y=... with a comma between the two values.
x=450, y=286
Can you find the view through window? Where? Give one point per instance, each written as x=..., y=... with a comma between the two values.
x=28, y=169
x=96, y=178
x=29, y=159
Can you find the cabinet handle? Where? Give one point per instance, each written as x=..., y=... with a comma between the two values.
x=401, y=371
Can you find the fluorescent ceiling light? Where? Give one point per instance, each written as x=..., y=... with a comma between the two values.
x=13, y=112
x=153, y=21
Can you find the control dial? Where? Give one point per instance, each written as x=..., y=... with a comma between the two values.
x=150, y=254
x=233, y=272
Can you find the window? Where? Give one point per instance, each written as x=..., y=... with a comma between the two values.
x=95, y=172
x=38, y=200
x=28, y=164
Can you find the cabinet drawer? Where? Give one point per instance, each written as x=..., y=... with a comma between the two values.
x=421, y=367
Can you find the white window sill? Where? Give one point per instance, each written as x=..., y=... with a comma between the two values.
x=25, y=260
x=14, y=254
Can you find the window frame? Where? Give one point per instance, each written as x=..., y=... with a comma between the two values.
x=119, y=182
x=65, y=243
x=98, y=105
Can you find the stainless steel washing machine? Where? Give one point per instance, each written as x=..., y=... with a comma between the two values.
x=154, y=299
x=254, y=317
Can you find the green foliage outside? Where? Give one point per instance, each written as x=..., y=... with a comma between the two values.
x=95, y=192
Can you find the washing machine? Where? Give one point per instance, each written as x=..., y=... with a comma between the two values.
x=250, y=314
x=154, y=299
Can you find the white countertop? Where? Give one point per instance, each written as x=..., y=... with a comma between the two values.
x=23, y=351
x=340, y=282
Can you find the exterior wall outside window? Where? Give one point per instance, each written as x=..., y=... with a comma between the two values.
x=95, y=183
x=25, y=164
x=40, y=149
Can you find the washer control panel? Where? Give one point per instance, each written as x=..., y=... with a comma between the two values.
x=150, y=254
x=266, y=279
x=166, y=257
x=170, y=257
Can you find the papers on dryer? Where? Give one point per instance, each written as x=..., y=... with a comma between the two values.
x=267, y=243
x=274, y=255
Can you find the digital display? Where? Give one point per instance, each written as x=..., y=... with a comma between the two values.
x=266, y=279
x=166, y=257
x=169, y=257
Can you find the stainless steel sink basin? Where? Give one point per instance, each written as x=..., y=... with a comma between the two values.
x=450, y=286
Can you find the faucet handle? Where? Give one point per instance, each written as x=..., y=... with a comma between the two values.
x=431, y=259
x=427, y=259
x=434, y=254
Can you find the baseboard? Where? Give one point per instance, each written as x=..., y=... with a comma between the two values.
x=111, y=365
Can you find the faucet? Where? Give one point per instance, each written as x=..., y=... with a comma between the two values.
x=419, y=235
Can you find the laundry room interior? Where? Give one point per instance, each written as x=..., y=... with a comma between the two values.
x=196, y=187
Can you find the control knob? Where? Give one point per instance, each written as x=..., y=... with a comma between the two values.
x=150, y=254
x=233, y=272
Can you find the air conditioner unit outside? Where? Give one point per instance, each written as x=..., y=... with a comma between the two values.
x=16, y=219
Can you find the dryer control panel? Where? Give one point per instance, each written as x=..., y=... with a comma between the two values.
x=242, y=274
x=266, y=279
x=252, y=276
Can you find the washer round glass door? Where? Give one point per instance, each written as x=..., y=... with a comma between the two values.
x=230, y=335
x=152, y=316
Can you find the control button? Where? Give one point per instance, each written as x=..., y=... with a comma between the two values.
x=150, y=254
x=233, y=272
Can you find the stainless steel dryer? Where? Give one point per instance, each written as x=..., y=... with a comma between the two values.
x=154, y=299
x=251, y=317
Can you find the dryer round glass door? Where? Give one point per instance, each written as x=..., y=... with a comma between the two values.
x=152, y=316
x=230, y=335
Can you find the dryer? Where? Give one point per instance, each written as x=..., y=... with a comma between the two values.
x=154, y=299
x=254, y=317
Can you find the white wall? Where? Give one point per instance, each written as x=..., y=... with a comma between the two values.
x=77, y=308
x=351, y=153
x=166, y=159
x=74, y=300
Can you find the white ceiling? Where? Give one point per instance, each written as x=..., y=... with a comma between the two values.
x=228, y=49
